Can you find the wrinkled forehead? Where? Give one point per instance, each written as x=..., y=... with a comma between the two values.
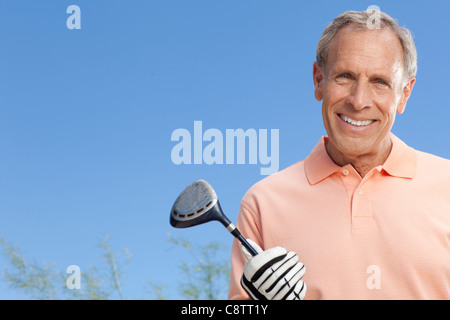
x=378, y=49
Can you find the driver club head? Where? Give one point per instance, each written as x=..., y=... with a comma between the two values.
x=197, y=204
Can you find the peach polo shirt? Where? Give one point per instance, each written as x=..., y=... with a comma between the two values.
x=384, y=236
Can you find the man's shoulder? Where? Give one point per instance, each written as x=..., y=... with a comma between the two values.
x=427, y=160
x=276, y=182
x=430, y=164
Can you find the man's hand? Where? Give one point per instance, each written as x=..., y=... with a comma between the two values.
x=274, y=274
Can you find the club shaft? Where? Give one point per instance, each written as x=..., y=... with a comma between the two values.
x=247, y=245
x=235, y=232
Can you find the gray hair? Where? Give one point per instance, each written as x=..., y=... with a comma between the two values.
x=362, y=21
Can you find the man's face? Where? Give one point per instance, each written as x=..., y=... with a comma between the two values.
x=362, y=88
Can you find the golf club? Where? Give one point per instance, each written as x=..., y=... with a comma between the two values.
x=197, y=204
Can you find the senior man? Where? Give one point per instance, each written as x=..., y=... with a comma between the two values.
x=364, y=216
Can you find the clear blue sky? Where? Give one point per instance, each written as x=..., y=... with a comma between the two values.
x=86, y=116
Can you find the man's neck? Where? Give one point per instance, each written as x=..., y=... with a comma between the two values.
x=362, y=163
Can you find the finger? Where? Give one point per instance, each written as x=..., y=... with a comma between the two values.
x=274, y=277
x=299, y=291
x=288, y=282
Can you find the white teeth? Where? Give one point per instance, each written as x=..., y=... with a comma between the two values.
x=355, y=122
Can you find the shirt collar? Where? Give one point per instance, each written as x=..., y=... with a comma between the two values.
x=401, y=162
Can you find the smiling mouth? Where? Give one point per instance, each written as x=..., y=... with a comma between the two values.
x=356, y=123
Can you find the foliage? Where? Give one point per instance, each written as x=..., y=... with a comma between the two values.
x=43, y=281
x=29, y=277
x=204, y=277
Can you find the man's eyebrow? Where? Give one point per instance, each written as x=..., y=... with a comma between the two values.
x=339, y=71
x=381, y=76
x=375, y=75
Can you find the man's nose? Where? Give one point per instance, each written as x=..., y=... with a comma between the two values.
x=360, y=95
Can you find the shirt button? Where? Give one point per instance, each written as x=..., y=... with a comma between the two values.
x=345, y=172
x=360, y=191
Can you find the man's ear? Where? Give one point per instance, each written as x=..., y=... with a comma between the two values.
x=317, y=78
x=406, y=93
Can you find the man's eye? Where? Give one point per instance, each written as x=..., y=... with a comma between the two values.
x=343, y=76
x=382, y=82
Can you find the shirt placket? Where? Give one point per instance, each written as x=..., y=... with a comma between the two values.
x=362, y=208
x=359, y=197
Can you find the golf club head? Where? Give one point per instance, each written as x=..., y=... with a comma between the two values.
x=197, y=204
